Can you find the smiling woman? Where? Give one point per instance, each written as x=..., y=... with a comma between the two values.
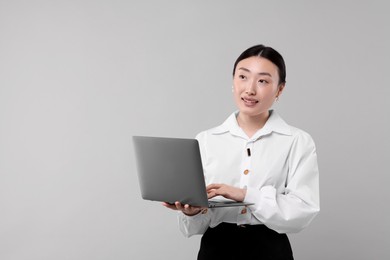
x=255, y=86
x=257, y=158
x=259, y=77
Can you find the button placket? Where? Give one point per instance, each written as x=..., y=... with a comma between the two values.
x=244, y=216
x=246, y=170
x=246, y=164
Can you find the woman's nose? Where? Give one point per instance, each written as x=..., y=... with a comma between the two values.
x=251, y=88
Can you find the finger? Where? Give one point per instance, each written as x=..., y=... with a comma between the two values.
x=213, y=186
x=196, y=207
x=178, y=205
x=188, y=209
x=191, y=208
x=211, y=194
x=170, y=206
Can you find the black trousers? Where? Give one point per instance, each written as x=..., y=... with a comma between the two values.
x=229, y=241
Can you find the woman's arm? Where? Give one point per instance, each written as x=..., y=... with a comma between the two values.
x=288, y=210
x=294, y=208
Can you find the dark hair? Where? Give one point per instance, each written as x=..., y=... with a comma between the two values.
x=267, y=53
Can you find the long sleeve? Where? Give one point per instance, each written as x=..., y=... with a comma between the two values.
x=194, y=225
x=291, y=209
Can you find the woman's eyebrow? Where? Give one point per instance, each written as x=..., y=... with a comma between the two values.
x=260, y=73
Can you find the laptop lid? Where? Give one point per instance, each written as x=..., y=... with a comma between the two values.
x=170, y=170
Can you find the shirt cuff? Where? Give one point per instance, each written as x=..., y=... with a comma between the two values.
x=192, y=225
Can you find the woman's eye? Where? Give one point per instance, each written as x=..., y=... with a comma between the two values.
x=241, y=77
x=262, y=81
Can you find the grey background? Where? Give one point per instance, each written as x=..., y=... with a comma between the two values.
x=79, y=78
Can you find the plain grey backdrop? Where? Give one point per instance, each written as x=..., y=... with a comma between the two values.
x=79, y=78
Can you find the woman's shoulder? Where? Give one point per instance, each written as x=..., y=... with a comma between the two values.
x=203, y=134
x=220, y=129
x=298, y=132
x=301, y=136
x=295, y=133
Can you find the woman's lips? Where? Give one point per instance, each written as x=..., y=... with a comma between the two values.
x=249, y=101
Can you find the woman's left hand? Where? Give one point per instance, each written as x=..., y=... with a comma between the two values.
x=226, y=191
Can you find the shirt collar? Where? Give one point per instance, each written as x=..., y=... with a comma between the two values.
x=274, y=124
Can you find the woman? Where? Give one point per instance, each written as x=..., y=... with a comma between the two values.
x=254, y=157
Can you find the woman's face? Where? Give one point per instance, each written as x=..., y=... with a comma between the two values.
x=256, y=85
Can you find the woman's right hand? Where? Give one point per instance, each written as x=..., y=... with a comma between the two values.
x=186, y=209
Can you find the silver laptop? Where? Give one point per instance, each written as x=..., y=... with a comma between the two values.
x=170, y=170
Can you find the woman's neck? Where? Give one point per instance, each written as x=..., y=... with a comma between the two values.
x=251, y=124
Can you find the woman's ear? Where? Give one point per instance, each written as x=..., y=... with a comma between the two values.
x=280, y=89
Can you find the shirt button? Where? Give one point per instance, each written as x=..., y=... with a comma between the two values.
x=246, y=171
x=243, y=211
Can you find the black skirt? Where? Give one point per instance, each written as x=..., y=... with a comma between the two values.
x=229, y=241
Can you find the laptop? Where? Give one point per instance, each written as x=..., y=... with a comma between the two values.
x=170, y=170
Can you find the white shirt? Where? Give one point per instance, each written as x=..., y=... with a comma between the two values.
x=277, y=166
